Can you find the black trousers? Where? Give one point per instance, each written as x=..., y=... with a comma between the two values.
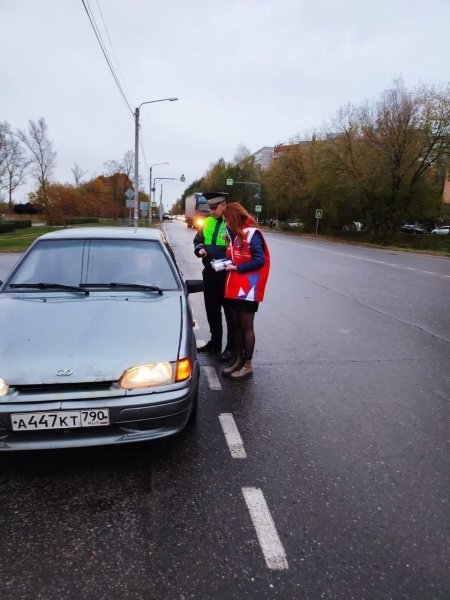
x=214, y=289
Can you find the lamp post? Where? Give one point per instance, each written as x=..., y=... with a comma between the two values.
x=136, y=154
x=150, y=192
x=182, y=179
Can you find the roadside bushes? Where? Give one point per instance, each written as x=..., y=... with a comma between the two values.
x=6, y=227
x=23, y=224
x=68, y=221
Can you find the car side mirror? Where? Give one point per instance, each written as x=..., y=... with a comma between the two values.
x=194, y=285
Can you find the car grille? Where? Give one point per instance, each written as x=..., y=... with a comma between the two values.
x=60, y=388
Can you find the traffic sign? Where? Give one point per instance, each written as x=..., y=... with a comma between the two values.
x=229, y=181
x=129, y=193
x=143, y=205
x=318, y=213
x=129, y=203
x=258, y=208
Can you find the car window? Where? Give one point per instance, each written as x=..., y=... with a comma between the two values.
x=129, y=261
x=103, y=261
x=52, y=261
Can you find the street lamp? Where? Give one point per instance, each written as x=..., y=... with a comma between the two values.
x=182, y=179
x=150, y=192
x=136, y=154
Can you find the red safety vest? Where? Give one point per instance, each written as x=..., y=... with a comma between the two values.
x=251, y=285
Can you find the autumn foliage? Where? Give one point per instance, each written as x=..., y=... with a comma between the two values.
x=102, y=197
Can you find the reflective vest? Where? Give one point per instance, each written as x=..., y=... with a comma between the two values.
x=214, y=232
x=251, y=285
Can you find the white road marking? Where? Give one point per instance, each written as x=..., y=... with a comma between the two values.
x=265, y=529
x=213, y=380
x=429, y=272
x=232, y=435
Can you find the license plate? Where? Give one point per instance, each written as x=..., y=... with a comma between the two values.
x=60, y=419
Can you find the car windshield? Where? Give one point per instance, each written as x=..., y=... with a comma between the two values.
x=97, y=261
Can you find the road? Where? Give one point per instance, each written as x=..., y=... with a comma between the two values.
x=333, y=484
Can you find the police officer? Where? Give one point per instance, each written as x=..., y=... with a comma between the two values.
x=210, y=243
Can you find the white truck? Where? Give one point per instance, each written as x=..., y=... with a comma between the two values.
x=196, y=209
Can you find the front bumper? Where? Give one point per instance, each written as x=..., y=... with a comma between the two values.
x=133, y=418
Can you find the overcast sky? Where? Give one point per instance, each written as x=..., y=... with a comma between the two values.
x=252, y=72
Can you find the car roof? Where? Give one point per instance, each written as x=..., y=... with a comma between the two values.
x=127, y=233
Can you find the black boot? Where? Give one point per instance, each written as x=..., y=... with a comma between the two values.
x=227, y=354
x=209, y=347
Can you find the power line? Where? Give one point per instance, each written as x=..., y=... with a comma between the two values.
x=111, y=45
x=105, y=53
x=143, y=153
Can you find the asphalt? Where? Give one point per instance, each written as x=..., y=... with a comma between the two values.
x=344, y=426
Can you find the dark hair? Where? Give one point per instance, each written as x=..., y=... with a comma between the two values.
x=237, y=217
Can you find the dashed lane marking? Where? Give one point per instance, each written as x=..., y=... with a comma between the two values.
x=232, y=435
x=269, y=540
x=213, y=380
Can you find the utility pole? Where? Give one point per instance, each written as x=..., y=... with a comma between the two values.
x=136, y=154
x=182, y=179
x=150, y=192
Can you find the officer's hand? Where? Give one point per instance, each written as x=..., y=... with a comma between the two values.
x=202, y=252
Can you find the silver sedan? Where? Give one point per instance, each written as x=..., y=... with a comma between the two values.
x=97, y=344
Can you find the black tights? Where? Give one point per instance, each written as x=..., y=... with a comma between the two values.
x=244, y=335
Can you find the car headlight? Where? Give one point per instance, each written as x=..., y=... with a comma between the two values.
x=199, y=221
x=156, y=374
x=3, y=387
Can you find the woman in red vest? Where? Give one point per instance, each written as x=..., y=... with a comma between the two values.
x=245, y=283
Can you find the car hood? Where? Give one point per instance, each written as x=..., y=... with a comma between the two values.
x=97, y=338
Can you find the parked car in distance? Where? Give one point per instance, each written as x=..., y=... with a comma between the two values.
x=354, y=226
x=413, y=229
x=444, y=230
x=295, y=223
x=97, y=344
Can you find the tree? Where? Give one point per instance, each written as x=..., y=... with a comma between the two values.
x=390, y=156
x=119, y=173
x=241, y=154
x=78, y=174
x=42, y=156
x=14, y=164
x=286, y=182
x=4, y=130
x=128, y=163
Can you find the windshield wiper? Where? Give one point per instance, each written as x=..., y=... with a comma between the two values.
x=116, y=284
x=47, y=286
